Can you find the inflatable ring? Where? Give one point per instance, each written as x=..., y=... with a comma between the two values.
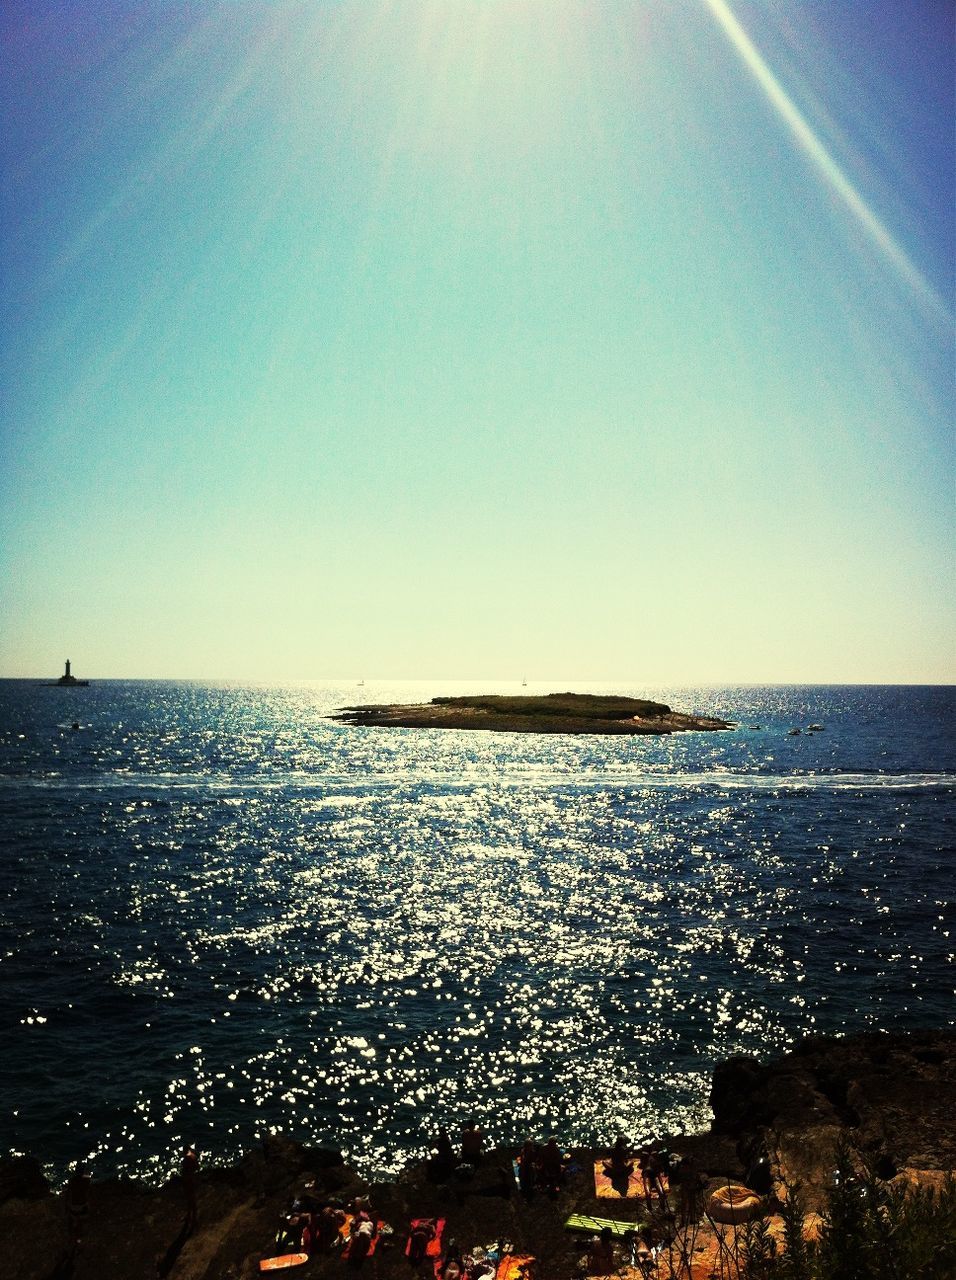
x=734, y=1203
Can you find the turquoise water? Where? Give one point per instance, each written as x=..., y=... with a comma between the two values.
x=222, y=914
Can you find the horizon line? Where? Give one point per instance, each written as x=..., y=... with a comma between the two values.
x=355, y=681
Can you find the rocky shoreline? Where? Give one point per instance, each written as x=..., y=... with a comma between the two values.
x=892, y=1095
x=574, y=713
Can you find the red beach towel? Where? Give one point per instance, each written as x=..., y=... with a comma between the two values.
x=433, y=1248
x=348, y=1237
x=514, y=1266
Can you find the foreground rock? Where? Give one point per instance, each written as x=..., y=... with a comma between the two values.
x=891, y=1095
x=550, y=713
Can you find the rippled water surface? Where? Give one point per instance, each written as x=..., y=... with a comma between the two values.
x=222, y=914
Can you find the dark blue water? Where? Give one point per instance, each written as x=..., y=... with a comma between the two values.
x=221, y=914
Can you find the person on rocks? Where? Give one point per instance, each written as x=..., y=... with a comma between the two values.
x=292, y=1228
x=446, y=1152
x=310, y=1233
x=472, y=1140
x=551, y=1166
x=443, y=1161
x=601, y=1254
x=363, y=1233
x=620, y=1166
x=420, y=1237
x=619, y=1160
x=656, y=1169
x=528, y=1168
x=78, y=1204
x=330, y=1220
x=189, y=1168
x=646, y=1173
x=452, y=1263
x=361, y=1211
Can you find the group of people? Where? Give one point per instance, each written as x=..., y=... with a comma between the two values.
x=540, y=1167
x=445, y=1161
x=454, y=1265
x=640, y=1247
x=655, y=1168
x=312, y=1226
x=661, y=1172
x=316, y=1227
x=451, y=1264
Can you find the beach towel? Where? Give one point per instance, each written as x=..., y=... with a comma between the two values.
x=348, y=1237
x=514, y=1266
x=604, y=1190
x=591, y=1226
x=433, y=1248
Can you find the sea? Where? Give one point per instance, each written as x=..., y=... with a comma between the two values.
x=224, y=915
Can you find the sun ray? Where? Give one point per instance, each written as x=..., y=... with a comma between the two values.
x=827, y=167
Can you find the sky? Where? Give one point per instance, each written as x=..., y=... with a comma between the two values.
x=572, y=340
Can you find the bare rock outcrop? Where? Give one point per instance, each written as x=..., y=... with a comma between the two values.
x=893, y=1096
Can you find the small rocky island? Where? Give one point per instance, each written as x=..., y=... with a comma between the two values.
x=548, y=713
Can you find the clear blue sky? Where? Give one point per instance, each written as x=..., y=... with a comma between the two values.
x=575, y=339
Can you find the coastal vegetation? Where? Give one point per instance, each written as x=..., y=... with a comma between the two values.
x=868, y=1229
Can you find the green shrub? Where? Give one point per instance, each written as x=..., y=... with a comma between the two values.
x=870, y=1230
